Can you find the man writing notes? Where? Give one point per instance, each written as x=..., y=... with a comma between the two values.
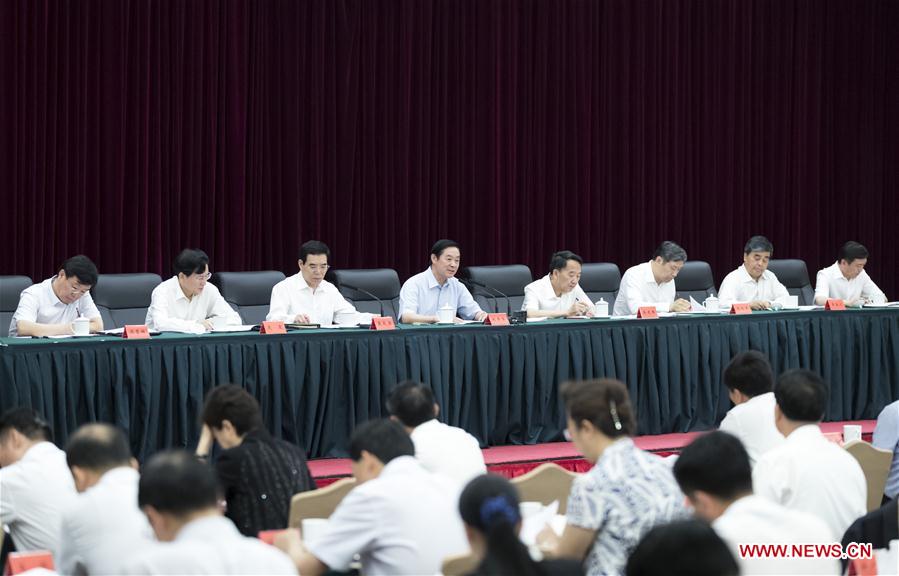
x=652, y=283
x=306, y=297
x=186, y=302
x=51, y=307
x=847, y=279
x=426, y=292
x=558, y=294
x=753, y=282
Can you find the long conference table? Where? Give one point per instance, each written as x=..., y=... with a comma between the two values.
x=500, y=383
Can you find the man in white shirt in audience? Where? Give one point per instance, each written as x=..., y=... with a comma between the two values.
x=439, y=448
x=652, y=283
x=179, y=495
x=752, y=282
x=750, y=384
x=186, y=302
x=51, y=307
x=35, y=483
x=808, y=472
x=400, y=518
x=846, y=279
x=715, y=475
x=306, y=297
x=104, y=519
x=886, y=437
x=558, y=295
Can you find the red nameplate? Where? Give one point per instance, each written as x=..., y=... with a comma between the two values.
x=740, y=308
x=382, y=323
x=136, y=331
x=268, y=536
x=19, y=562
x=497, y=319
x=647, y=312
x=272, y=327
x=834, y=304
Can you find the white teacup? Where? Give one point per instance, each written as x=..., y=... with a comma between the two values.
x=445, y=315
x=851, y=432
x=219, y=322
x=81, y=326
x=791, y=302
x=313, y=528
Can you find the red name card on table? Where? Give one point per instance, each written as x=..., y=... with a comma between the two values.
x=268, y=536
x=647, y=312
x=740, y=308
x=834, y=304
x=382, y=323
x=272, y=327
x=497, y=319
x=19, y=562
x=136, y=332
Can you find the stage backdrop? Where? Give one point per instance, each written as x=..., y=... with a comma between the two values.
x=132, y=129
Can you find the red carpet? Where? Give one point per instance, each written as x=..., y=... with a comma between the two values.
x=511, y=461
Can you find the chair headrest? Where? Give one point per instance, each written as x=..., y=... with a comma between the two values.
x=10, y=288
x=790, y=272
x=600, y=277
x=247, y=288
x=116, y=291
x=382, y=282
x=509, y=279
x=695, y=275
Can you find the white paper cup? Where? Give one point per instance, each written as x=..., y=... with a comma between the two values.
x=851, y=432
x=313, y=528
x=81, y=326
x=446, y=315
x=792, y=301
x=219, y=322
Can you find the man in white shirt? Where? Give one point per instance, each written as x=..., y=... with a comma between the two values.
x=400, y=518
x=51, y=307
x=35, y=483
x=558, y=294
x=652, y=283
x=715, y=475
x=179, y=495
x=846, y=279
x=808, y=472
x=104, y=519
x=442, y=449
x=753, y=282
x=186, y=302
x=750, y=382
x=306, y=297
x=886, y=437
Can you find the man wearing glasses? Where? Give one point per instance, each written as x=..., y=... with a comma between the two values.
x=51, y=307
x=186, y=302
x=306, y=297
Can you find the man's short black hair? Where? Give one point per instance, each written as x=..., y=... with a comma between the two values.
x=560, y=259
x=801, y=395
x=26, y=422
x=715, y=463
x=384, y=439
x=175, y=482
x=81, y=267
x=233, y=403
x=98, y=447
x=313, y=248
x=412, y=403
x=190, y=261
x=441, y=245
x=668, y=251
x=663, y=550
x=852, y=251
x=758, y=244
x=750, y=373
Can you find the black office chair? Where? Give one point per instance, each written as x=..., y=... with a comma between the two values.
x=601, y=280
x=373, y=290
x=249, y=293
x=505, y=284
x=10, y=288
x=695, y=280
x=124, y=298
x=793, y=274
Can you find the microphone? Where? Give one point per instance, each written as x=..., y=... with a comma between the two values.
x=495, y=291
x=367, y=293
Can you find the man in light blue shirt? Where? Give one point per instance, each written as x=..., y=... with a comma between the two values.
x=426, y=292
x=886, y=437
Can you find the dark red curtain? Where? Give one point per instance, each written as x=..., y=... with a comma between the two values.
x=131, y=129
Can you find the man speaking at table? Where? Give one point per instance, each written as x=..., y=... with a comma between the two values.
x=426, y=292
x=652, y=283
x=753, y=282
x=558, y=295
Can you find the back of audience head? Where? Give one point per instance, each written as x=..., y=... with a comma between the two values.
x=490, y=510
x=231, y=412
x=175, y=488
x=682, y=548
x=20, y=429
x=95, y=449
x=712, y=472
x=801, y=397
x=374, y=444
x=748, y=374
x=412, y=404
x=598, y=411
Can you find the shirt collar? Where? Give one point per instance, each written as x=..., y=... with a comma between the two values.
x=208, y=528
x=39, y=450
x=650, y=277
x=432, y=280
x=179, y=293
x=805, y=432
x=301, y=282
x=425, y=426
x=401, y=466
x=53, y=297
x=623, y=444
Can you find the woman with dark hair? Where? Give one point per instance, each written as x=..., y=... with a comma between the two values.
x=489, y=508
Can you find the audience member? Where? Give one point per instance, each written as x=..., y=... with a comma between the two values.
x=682, y=548
x=886, y=437
x=439, y=448
x=259, y=474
